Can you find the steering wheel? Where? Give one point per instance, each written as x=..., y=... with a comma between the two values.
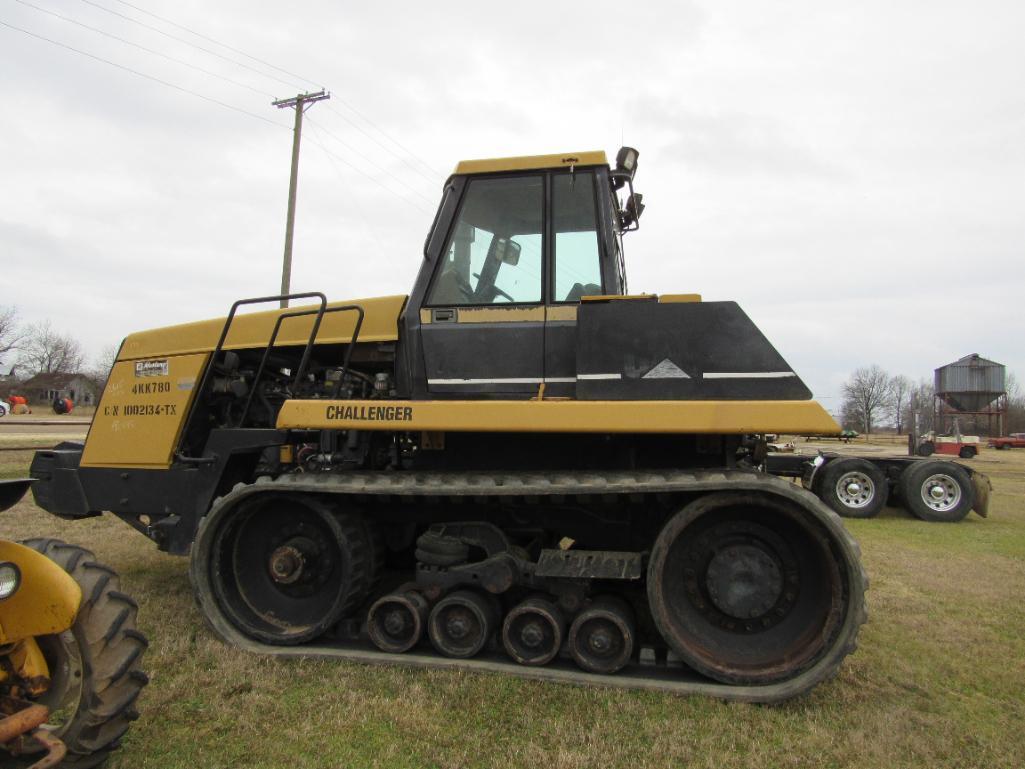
x=495, y=289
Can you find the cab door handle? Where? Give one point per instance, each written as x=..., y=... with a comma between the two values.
x=443, y=316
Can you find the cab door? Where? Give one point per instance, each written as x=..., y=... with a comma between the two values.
x=576, y=271
x=482, y=325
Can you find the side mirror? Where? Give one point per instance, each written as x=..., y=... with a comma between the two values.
x=507, y=251
x=632, y=211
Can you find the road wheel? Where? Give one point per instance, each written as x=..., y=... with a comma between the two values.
x=967, y=452
x=854, y=488
x=937, y=491
x=926, y=449
x=280, y=569
x=748, y=588
x=94, y=666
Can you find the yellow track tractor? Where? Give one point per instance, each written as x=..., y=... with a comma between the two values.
x=518, y=467
x=69, y=652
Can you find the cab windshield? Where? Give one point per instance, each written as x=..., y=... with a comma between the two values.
x=495, y=252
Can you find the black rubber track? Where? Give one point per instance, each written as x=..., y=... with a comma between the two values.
x=111, y=648
x=423, y=485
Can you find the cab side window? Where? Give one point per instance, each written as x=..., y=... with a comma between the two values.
x=577, y=253
x=494, y=254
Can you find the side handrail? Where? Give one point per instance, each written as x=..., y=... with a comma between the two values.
x=301, y=371
x=179, y=455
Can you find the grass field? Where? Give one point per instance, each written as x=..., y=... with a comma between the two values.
x=938, y=679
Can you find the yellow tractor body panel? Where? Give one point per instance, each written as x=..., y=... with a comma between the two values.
x=253, y=330
x=561, y=416
x=139, y=419
x=46, y=602
x=532, y=162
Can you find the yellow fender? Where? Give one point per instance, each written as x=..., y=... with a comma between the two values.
x=46, y=602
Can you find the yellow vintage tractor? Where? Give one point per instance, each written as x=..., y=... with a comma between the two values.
x=69, y=653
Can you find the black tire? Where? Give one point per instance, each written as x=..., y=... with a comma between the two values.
x=967, y=452
x=926, y=449
x=3, y=411
x=801, y=596
x=232, y=583
x=853, y=488
x=95, y=666
x=937, y=491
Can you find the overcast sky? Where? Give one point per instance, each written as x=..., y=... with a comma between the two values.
x=852, y=173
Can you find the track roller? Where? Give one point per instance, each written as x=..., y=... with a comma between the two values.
x=601, y=638
x=533, y=632
x=461, y=623
x=396, y=621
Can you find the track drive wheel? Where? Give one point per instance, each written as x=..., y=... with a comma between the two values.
x=854, y=488
x=751, y=588
x=281, y=569
x=95, y=674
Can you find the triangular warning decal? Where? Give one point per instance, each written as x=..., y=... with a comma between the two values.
x=666, y=370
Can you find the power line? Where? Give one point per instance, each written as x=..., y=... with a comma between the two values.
x=188, y=42
x=375, y=126
x=144, y=48
x=363, y=131
x=363, y=173
x=372, y=163
x=388, y=137
x=217, y=42
x=143, y=74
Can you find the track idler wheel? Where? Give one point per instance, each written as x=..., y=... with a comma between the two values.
x=281, y=569
x=396, y=622
x=533, y=631
x=461, y=623
x=601, y=638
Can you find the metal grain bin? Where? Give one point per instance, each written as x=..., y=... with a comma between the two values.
x=971, y=383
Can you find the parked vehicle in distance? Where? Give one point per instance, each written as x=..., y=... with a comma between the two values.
x=1012, y=441
x=5, y=408
x=956, y=445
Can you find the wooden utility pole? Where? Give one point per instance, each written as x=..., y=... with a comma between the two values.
x=300, y=103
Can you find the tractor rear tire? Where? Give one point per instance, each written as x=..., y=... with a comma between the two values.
x=95, y=665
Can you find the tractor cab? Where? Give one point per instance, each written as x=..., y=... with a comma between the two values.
x=516, y=244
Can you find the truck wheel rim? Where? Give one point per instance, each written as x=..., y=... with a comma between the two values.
x=940, y=492
x=855, y=489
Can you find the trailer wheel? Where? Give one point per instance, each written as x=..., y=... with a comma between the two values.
x=937, y=491
x=854, y=488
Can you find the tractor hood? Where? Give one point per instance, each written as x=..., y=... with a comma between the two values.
x=253, y=330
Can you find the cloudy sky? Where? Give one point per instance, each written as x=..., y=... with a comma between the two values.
x=852, y=173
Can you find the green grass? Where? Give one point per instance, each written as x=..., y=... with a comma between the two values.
x=938, y=679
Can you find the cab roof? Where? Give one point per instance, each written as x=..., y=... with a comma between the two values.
x=532, y=162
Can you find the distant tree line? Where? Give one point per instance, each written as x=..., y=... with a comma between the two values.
x=39, y=348
x=872, y=398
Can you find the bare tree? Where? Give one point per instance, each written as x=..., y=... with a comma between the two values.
x=1015, y=405
x=921, y=407
x=103, y=363
x=46, y=351
x=11, y=335
x=866, y=395
x=900, y=394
